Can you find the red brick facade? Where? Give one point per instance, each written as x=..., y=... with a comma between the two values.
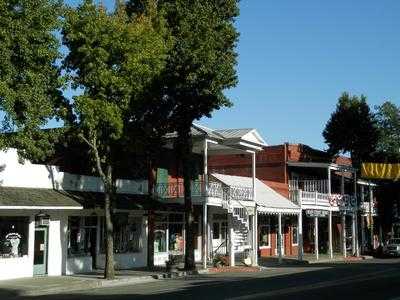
x=272, y=169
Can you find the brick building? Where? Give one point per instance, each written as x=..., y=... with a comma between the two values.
x=312, y=179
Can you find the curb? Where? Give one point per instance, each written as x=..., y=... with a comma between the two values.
x=102, y=283
x=88, y=284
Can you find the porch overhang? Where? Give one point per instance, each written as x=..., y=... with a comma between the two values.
x=17, y=198
x=276, y=211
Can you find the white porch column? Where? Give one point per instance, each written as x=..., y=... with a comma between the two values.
x=316, y=238
x=362, y=220
x=255, y=237
x=300, y=235
x=356, y=248
x=231, y=241
x=329, y=181
x=371, y=220
x=280, y=237
x=344, y=235
x=353, y=233
x=253, y=174
x=330, y=235
x=205, y=236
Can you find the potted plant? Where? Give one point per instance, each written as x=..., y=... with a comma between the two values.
x=220, y=261
x=172, y=263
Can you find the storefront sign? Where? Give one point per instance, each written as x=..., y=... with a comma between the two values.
x=316, y=213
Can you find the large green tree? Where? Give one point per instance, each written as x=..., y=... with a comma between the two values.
x=388, y=120
x=200, y=68
x=30, y=85
x=114, y=59
x=352, y=129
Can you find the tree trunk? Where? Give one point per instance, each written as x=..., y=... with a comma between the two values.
x=150, y=217
x=109, y=272
x=186, y=146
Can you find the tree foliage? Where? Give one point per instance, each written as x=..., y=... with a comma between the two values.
x=388, y=120
x=30, y=86
x=352, y=128
x=200, y=67
x=114, y=59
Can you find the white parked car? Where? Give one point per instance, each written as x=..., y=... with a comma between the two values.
x=392, y=247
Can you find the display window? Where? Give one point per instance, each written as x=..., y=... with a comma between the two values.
x=14, y=236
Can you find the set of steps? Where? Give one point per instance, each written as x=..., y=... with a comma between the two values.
x=241, y=229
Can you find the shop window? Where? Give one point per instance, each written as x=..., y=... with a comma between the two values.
x=295, y=235
x=264, y=236
x=175, y=231
x=81, y=235
x=160, y=238
x=224, y=230
x=215, y=231
x=14, y=236
x=127, y=234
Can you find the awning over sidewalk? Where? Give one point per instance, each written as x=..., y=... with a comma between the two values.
x=31, y=198
x=268, y=200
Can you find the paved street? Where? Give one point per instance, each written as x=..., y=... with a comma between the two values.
x=371, y=279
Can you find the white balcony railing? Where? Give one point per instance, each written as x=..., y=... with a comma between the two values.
x=309, y=185
x=215, y=189
x=322, y=200
x=367, y=208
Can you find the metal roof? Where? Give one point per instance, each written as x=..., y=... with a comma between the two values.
x=234, y=133
x=268, y=200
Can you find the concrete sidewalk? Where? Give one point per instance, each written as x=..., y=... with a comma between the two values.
x=58, y=284
x=307, y=259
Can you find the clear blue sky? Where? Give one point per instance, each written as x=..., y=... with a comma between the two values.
x=297, y=57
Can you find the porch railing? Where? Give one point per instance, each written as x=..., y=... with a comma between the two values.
x=309, y=185
x=215, y=189
x=222, y=249
x=366, y=208
x=323, y=200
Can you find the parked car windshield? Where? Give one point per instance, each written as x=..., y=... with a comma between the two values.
x=394, y=241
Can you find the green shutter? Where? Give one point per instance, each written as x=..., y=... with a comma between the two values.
x=162, y=175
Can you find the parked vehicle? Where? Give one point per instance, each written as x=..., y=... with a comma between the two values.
x=392, y=247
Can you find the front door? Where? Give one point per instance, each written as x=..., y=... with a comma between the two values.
x=219, y=235
x=40, y=251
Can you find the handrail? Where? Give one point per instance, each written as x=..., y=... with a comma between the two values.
x=224, y=243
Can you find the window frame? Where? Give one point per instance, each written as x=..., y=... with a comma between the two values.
x=295, y=228
x=269, y=236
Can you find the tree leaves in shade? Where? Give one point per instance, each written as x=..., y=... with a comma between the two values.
x=114, y=59
x=200, y=68
x=30, y=85
x=388, y=120
x=352, y=128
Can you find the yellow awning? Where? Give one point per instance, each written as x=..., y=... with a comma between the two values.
x=380, y=171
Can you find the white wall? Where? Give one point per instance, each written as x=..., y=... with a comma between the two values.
x=81, y=264
x=20, y=267
x=30, y=175
x=124, y=260
x=55, y=246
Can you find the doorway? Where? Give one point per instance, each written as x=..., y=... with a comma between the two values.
x=40, y=257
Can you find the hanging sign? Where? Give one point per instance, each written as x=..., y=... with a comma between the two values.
x=316, y=213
